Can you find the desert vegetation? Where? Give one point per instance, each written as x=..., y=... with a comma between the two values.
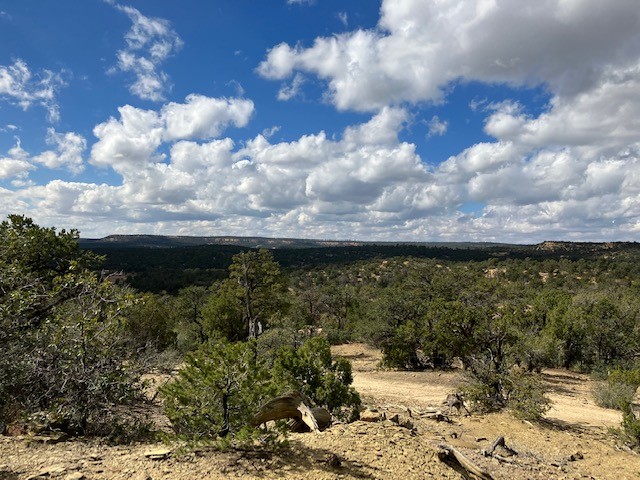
x=76, y=340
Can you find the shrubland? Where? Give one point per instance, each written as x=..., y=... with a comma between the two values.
x=73, y=341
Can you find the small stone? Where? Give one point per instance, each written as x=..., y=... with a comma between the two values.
x=142, y=476
x=75, y=476
x=575, y=456
x=158, y=454
x=371, y=416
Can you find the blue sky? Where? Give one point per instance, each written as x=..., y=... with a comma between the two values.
x=483, y=120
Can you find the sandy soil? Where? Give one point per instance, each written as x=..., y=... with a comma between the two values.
x=573, y=443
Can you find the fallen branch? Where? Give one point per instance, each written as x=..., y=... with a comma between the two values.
x=457, y=460
x=294, y=406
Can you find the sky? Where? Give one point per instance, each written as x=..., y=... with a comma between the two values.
x=399, y=120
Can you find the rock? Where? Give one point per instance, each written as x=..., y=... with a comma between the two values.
x=75, y=476
x=142, y=476
x=371, y=416
x=53, y=470
x=334, y=461
x=158, y=454
x=51, y=438
x=575, y=456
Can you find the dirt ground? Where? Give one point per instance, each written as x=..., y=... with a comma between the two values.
x=573, y=443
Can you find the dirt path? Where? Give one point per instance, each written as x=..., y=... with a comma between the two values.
x=573, y=444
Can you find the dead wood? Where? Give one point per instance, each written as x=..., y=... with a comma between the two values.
x=437, y=416
x=499, y=442
x=295, y=406
x=322, y=416
x=457, y=461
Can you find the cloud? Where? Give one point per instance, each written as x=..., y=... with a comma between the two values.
x=128, y=143
x=67, y=153
x=301, y=2
x=418, y=49
x=570, y=170
x=19, y=86
x=69, y=148
x=366, y=177
x=344, y=18
x=150, y=42
x=287, y=92
x=366, y=183
x=15, y=164
x=437, y=127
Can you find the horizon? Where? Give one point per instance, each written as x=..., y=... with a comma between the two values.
x=391, y=121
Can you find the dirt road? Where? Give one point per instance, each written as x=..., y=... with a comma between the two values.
x=573, y=444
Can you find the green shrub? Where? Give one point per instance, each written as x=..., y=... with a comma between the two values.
x=64, y=356
x=630, y=428
x=311, y=370
x=217, y=392
x=613, y=395
x=223, y=385
x=627, y=377
x=619, y=390
x=525, y=396
x=520, y=391
x=400, y=350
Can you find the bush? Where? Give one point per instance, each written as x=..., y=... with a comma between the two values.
x=525, y=396
x=310, y=370
x=63, y=353
x=218, y=391
x=627, y=377
x=630, y=428
x=520, y=391
x=400, y=350
x=223, y=385
x=619, y=390
x=613, y=395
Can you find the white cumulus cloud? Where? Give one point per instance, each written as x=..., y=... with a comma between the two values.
x=21, y=87
x=419, y=47
x=150, y=42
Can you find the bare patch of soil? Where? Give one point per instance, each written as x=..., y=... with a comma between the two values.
x=573, y=443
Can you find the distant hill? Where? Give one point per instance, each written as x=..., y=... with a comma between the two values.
x=166, y=241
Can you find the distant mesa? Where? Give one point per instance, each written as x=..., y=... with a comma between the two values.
x=168, y=241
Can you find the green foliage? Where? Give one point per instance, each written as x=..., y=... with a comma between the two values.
x=628, y=377
x=631, y=427
x=217, y=392
x=615, y=395
x=223, y=313
x=400, y=350
x=222, y=386
x=189, y=307
x=619, y=390
x=311, y=370
x=62, y=332
x=490, y=389
x=525, y=396
x=151, y=323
